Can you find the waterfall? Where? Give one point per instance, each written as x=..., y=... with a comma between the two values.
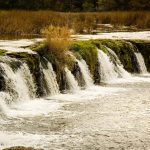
x=19, y=84
x=72, y=83
x=110, y=66
x=85, y=73
x=50, y=78
x=118, y=65
x=113, y=54
x=141, y=63
x=122, y=73
x=28, y=79
x=4, y=97
x=106, y=69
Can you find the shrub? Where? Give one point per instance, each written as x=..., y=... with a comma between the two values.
x=58, y=41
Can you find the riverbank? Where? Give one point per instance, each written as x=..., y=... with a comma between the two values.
x=22, y=23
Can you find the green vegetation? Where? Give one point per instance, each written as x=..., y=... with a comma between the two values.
x=88, y=52
x=99, y=45
x=55, y=49
x=2, y=52
x=25, y=57
x=80, y=49
x=125, y=52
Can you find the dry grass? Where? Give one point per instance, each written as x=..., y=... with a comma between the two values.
x=58, y=42
x=57, y=38
x=31, y=22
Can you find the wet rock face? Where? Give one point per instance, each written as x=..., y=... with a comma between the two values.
x=2, y=81
x=136, y=68
x=21, y=148
x=97, y=78
x=62, y=82
x=39, y=77
x=78, y=75
x=33, y=61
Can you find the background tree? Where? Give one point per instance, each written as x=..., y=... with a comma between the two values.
x=76, y=5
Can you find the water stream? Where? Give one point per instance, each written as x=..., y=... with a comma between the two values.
x=141, y=63
x=72, y=83
x=85, y=73
x=107, y=116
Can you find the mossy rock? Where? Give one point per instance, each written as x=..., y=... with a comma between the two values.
x=88, y=52
x=99, y=45
x=125, y=52
x=58, y=66
x=2, y=52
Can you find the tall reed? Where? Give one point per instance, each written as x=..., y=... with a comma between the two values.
x=17, y=22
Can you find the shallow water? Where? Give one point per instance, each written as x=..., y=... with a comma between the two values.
x=115, y=116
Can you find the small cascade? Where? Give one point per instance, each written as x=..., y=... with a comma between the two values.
x=3, y=98
x=141, y=63
x=85, y=73
x=122, y=73
x=113, y=54
x=50, y=78
x=28, y=79
x=71, y=81
x=20, y=83
x=106, y=70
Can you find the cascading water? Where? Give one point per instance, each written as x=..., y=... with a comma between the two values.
x=3, y=98
x=106, y=69
x=113, y=54
x=118, y=65
x=28, y=79
x=85, y=73
x=141, y=63
x=50, y=78
x=72, y=83
x=20, y=83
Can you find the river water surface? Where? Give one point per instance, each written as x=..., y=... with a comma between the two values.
x=114, y=116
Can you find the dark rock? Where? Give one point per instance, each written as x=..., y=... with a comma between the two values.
x=21, y=148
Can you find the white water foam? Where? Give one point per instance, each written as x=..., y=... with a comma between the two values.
x=72, y=83
x=145, y=35
x=18, y=45
x=141, y=63
x=19, y=81
x=85, y=73
x=119, y=68
x=38, y=107
x=3, y=106
x=89, y=93
x=11, y=139
x=50, y=78
x=106, y=70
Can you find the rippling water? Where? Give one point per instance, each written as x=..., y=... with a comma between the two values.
x=115, y=116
